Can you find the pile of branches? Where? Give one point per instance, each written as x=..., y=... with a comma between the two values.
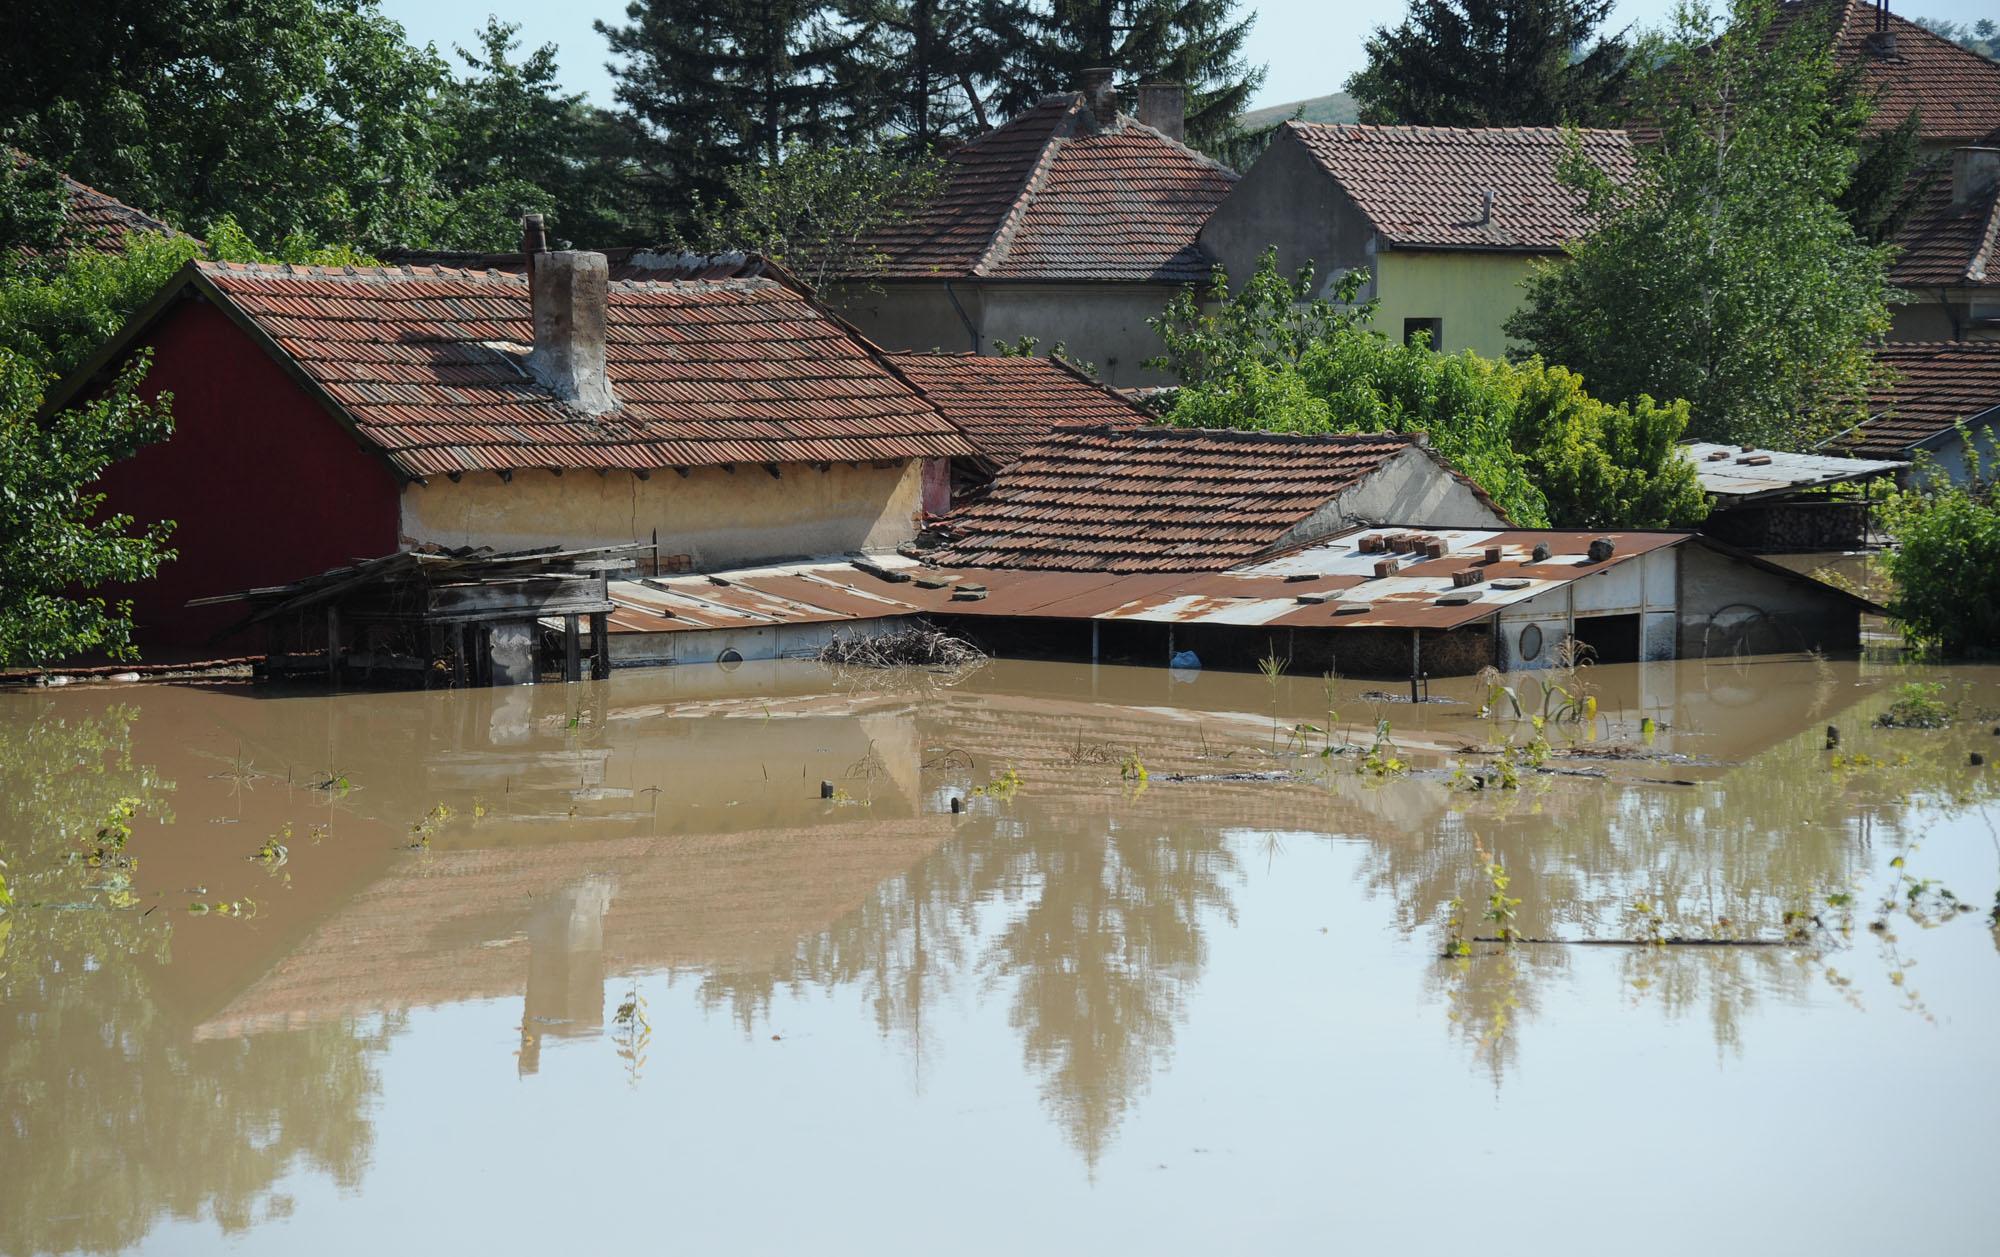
x=918, y=646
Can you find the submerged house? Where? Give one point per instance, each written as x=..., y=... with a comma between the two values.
x=1447, y=221
x=325, y=415
x=1772, y=501
x=1072, y=223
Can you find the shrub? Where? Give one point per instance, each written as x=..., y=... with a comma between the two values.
x=1946, y=565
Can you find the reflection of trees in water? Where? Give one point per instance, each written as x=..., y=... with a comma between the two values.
x=110, y=1113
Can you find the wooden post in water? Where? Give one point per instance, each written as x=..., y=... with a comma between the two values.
x=600, y=645
x=572, y=649
x=1416, y=659
x=332, y=644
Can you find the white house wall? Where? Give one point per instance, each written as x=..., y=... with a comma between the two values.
x=1649, y=588
x=717, y=518
x=1411, y=490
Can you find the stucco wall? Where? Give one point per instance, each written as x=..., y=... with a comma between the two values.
x=1411, y=490
x=1100, y=324
x=717, y=518
x=1288, y=201
x=1472, y=292
x=1728, y=606
x=1934, y=314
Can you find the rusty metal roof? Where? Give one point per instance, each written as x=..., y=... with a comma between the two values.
x=426, y=365
x=1739, y=473
x=1158, y=499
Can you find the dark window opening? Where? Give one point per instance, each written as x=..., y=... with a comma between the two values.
x=1611, y=638
x=1435, y=327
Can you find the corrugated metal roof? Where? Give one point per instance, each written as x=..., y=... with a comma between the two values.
x=1738, y=472
x=427, y=365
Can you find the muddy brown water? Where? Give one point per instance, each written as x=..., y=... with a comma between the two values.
x=576, y=967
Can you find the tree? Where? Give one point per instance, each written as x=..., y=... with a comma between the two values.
x=1487, y=63
x=1724, y=272
x=1197, y=43
x=296, y=117
x=935, y=64
x=816, y=209
x=715, y=85
x=53, y=536
x=518, y=144
x=1891, y=175
x=1946, y=563
x=1274, y=359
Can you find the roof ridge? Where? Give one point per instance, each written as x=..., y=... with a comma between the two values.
x=1125, y=122
x=1982, y=253
x=1404, y=128
x=1003, y=232
x=1165, y=431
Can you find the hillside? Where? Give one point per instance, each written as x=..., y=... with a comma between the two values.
x=1338, y=107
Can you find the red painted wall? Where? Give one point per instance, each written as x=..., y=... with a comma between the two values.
x=263, y=485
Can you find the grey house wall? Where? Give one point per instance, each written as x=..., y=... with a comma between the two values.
x=1411, y=489
x=1103, y=324
x=1288, y=200
x=1728, y=606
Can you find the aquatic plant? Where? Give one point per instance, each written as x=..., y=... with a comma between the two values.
x=433, y=820
x=632, y=1033
x=1004, y=787
x=1918, y=705
x=1273, y=667
x=1133, y=769
x=1381, y=759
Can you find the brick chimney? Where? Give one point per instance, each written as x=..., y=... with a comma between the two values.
x=1099, y=95
x=1974, y=173
x=1163, y=107
x=570, y=292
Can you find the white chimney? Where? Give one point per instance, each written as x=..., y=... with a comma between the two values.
x=1974, y=172
x=1163, y=107
x=570, y=292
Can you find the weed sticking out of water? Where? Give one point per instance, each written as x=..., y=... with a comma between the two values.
x=1455, y=943
x=1381, y=759
x=1500, y=906
x=632, y=1034
x=424, y=830
x=1273, y=667
x=1133, y=769
x=276, y=849
x=1004, y=787
x=242, y=909
x=1919, y=705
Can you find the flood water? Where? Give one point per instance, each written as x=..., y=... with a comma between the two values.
x=564, y=968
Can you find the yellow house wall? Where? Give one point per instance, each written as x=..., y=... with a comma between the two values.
x=1473, y=293
x=718, y=519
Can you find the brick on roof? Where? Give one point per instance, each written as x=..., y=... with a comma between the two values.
x=1157, y=499
x=1955, y=90
x=1006, y=405
x=1053, y=195
x=98, y=220
x=1425, y=187
x=1935, y=384
x=425, y=364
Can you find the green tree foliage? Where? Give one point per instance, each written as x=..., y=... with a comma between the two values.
x=34, y=209
x=816, y=208
x=518, y=144
x=1982, y=36
x=313, y=118
x=1946, y=564
x=1891, y=174
x=1725, y=272
x=935, y=65
x=53, y=537
x=1489, y=63
x=716, y=85
x=1197, y=43
x=1273, y=358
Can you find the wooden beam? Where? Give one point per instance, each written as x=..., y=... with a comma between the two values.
x=572, y=650
x=600, y=646
x=332, y=644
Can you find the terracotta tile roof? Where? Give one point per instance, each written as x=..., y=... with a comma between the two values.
x=1157, y=499
x=97, y=219
x=1425, y=187
x=628, y=263
x=1052, y=195
x=425, y=365
x=1955, y=90
x=1937, y=384
x=1944, y=244
x=1006, y=405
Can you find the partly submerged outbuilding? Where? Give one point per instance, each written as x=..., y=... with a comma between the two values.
x=1774, y=501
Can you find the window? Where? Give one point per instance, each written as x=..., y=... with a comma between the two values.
x=1412, y=327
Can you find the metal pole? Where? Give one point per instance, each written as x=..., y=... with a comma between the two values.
x=1093, y=641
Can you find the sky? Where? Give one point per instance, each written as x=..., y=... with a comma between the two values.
x=1309, y=46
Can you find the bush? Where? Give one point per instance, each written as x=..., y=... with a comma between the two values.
x=1946, y=565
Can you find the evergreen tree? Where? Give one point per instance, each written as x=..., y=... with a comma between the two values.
x=934, y=65
x=1484, y=63
x=712, y=85
x=1197, y=43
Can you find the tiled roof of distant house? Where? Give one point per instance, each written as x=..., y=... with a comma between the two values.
x=1054, y=195
x=1157, y=499
x=425, y=365
x=1954, y=89
x=1938, y=383
x=1006, y=405
x=97, y=219
x=1946, y=243
x=635, y=264
x=1426, y=187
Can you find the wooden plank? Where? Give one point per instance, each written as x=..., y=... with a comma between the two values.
x=572, y=658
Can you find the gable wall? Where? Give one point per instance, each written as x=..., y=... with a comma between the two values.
x=264, y=486
x=1410, y=490
x=1288, y=200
